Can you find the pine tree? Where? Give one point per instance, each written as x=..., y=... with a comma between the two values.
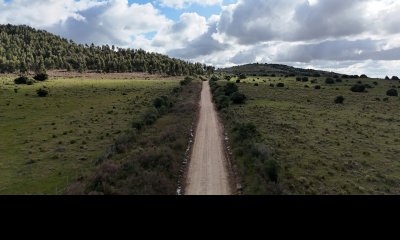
x=23, y=69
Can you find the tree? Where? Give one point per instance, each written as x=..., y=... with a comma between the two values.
x=25, y=49
x=23, y=69
x=40, y=69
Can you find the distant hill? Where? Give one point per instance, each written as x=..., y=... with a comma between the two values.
x=23, y=48
x=275, y=69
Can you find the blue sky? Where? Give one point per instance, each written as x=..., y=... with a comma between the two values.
x=173, y=13
x=322, y=34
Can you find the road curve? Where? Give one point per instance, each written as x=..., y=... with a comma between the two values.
x=208, y=172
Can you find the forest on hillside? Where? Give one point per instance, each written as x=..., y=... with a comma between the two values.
x=23, y=49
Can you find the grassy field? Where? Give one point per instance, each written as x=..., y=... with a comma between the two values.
x=323, y=147
x=46, y=143
x=151, y=160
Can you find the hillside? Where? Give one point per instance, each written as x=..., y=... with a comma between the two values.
x=275, y=69
x=24, y=48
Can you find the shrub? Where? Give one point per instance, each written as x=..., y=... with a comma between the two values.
x=138, y=125
x=238, y=81
x=314, y=81
x=305, y=79
x=339, y=100
x=330, y=81
x=363, y=76
x=222, y=102
x=358, y=88
x=375, y=83
x=42, y=92
x=339, y=80
x=336, y=76
x=244, y=131
x=272, y=85
x=256, y=84
x=317, y=87
x=150, y=117
x=306, y=86
x=228, y=78
x=230, y=88
x=21, y=80
x=280, y=85
x=242, y=76
x=271, y=169
x=298, y=79
x=186, y=81
x=316, y=75
x=395, y=78
x=238, y=98
x=392, y=93
x=214, y=78
x=387, y=78
x=161, y=102
x=41, y=77
x=176, y=90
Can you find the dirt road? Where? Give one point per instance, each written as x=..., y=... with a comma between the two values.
x=208, y=172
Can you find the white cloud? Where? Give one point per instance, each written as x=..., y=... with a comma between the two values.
x=184, y=3
x=188, y=28
x=43, y=13
x=344, y=35
x=115, y=22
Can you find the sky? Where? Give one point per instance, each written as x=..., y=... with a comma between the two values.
x=351, y=37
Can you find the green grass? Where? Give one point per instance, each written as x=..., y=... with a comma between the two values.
x=152, y=159
x=45, y=143
x=323, y=147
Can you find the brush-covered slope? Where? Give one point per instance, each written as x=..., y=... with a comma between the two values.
x=275, y=69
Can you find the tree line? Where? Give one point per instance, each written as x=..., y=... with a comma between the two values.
x=24, y=49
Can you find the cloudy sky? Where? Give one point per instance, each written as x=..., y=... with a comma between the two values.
x=354, y=37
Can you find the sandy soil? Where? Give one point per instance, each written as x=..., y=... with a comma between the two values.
x=208, y=173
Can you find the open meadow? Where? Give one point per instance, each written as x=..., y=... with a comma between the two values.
x=322, y=146
x=46, y=143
